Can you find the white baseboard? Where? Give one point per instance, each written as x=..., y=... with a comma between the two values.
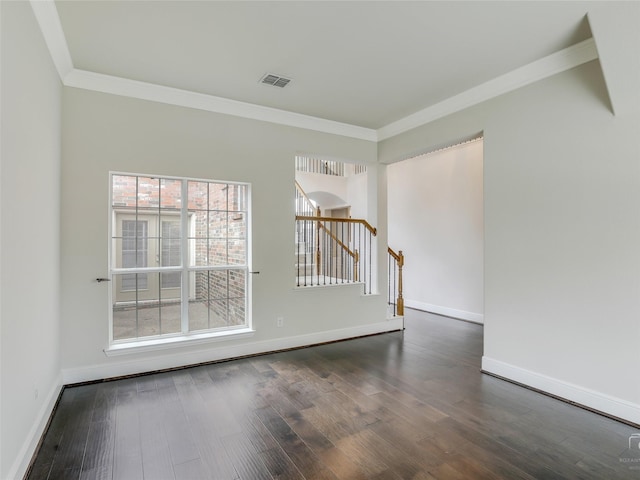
x=173, y=359
x=585, y=397
x=21, y=464
x=446, y=311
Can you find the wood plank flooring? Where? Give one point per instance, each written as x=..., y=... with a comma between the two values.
x=403, y=405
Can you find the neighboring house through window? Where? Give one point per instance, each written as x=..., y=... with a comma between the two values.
x=179, y=257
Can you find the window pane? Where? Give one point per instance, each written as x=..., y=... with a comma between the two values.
x=135, y=244
x=201, y=219
x=201, y=286
x=237, y=198
x=213, y=251
x=124, y=322
x=218, y=252
x=134, y=253
x=236, y=311
x=217, y=224
x=148, y=309
x=237, y=283
x=218, y=284
x=170, y=305
x=148, y=193
x=171, y=252
x=198, y=195
x=218, y=196
x=237, y=297
x=170, y=317
x=219, y=300
x=237, y=252
x=170, y=194
x=129, y=308
x=205, y=310
x=199, y=252
x=146, y=314
x=218, y=314
x=134, y=281
x=123, y=191
x=171, y=280
x=237, y=225
x=204, y=315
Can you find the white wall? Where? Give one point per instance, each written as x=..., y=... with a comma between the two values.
x=561, y=257
x=103, y=132
x=29, y=225
x=561, y=226
x=435, y=218
x=358, y=195
x=318, y=185
x=352, y=191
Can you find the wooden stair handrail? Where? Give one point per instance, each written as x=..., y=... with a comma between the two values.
x=334, y=238
x=304, y=195
x=319, y=225
x=311, y=218
x=399, y=258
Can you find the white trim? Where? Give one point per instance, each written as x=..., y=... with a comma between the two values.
x=180, y=359
x=49, y=21
x=23, y=459
x=173, y=96
x=550, y=65
x=446, y=311
x=163, y=343
x=560, y=61
x=574, y=393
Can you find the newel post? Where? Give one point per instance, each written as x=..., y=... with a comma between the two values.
x=400, y=301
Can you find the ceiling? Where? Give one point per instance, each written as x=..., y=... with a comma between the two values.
x=363, y=63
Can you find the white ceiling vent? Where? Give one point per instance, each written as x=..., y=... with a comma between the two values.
x=275, y=80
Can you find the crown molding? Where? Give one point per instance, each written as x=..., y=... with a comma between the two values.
x=560, y=61
x=48, y=19
x=173, y=96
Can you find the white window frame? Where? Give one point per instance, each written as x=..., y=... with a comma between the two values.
x=185, y=337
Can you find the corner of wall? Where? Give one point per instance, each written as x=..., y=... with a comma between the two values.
x=617, y=40
x=38, y=429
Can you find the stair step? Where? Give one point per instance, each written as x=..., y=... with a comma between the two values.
x=302, y=259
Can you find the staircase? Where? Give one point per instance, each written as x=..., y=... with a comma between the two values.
x=335, y=251
x=305, y=262
x=305, y=266
x=326, y=249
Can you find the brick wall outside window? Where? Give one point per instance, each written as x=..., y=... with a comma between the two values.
x=217, y=237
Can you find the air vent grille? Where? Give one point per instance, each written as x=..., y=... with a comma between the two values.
x=275, y=80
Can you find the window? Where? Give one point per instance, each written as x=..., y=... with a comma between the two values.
x=171, y=252
x=179, y=257
x=134, y=252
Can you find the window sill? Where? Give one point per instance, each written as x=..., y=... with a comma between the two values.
x=175, y=342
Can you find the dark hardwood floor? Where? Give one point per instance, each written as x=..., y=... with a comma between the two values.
x=403, y=405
